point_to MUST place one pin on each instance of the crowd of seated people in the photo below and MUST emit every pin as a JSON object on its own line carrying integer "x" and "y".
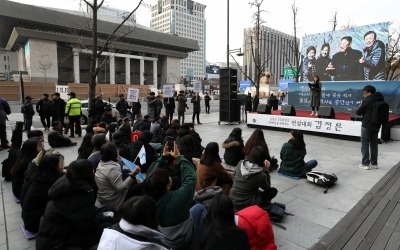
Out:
{"x": 98, "y": 201}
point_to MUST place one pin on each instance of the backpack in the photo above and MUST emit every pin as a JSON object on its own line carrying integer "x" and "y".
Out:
{"x": 24, "y": 109}
{"x": 380, "y": 113}
{"x": 276, "y": 212}
{"x": 46, "y": 107}
{"x": 322, "y": 179}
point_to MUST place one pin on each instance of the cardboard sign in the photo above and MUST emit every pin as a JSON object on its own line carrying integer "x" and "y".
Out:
{"x": 133, "y": 95}
{"x": 197, "y": 86}
{"x": 168, "y": 90}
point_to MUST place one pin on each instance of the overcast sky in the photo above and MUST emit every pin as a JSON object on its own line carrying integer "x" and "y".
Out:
{"x": 314, "y": 16}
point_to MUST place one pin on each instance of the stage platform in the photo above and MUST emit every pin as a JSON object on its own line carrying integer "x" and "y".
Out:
{"x": 341, "y": 125}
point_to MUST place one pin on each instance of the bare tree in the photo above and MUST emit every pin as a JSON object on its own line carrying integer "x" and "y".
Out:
{"x": 393, "y": 56}
{"x": 334, "y": 20}
{"x": 45, "y": 64}
{"x": 98, "y": 49}
{"x": 348, "y": 25}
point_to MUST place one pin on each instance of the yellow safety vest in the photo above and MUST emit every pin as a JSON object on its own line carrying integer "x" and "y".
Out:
{"x": 73, "y": 107}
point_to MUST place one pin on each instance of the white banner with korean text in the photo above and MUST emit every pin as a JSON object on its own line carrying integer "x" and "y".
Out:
{"x": 331, "y": 126}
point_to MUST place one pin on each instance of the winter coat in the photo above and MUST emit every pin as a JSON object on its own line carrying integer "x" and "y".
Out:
{"x": 70, "y": 217}
{"x": 233, "y": 151}
{"x": 182, "y": 104}
{"x": 170, "y": 133}
{"x": 256, "y": 101}
{"x": 207, "y": 99}
{"x": 122, "y": 135}
{"x": 35, "y": 202}
{"x": 122, "y": 107}
{"x": 196, "y": 103}
{"x": 95, "y": 158}
{"x": 169, "y": 104}
{"x": 366, "y": 108}
{"x": 18, "y": 180}
{"x": 320, "y": 68}
{"x": 177, "y": 226}
{"x": 58, "y": 109}
{"x": 155, "y": 129}
{"x": 56, "y": 139}
{"x": 132, "y": 237}
{"x": 273, "y": 102}
{"x": 248, "y": 179}
{"x": 145, "y": 124}
{"x": 347, "y": 66}
{"x": 315, "y": 89}
{"x": 73, "y": 107}
{"x": 152, "y": 106}
{"x": 374, "y": 66}
{"x": 29, "y": 111}
{"x": 108, "y": 118}
{"x": 97, "y": 109}
{"x": 258, "y": 227}
{"x": 136, "y": 109}
{"x": 248, "y": 103}
{"x": 43, "y": 107}
{"x": 214, "y": 175}
{"x": 292, "y": 160}
{"x": 112, "y": 188}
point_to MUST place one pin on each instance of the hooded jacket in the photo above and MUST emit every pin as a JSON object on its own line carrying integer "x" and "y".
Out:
{"x": 366, "y": 109}
{"x": 70, "y": 217}
{"x": 233, "y": 151}
{"x": 249, "y": 177}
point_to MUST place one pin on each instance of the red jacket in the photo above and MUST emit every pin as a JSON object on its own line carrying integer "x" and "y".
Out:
{"x": 258, "y": 227}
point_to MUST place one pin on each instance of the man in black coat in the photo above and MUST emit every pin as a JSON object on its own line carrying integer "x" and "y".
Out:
{"x": 169, "y": 104}
{"x": 56, "y": 139}
{"x": 4, "y": 111}
{"x": 196, "y": 108}
{"x": 207, "y": 99}
{"x": 98, "y": 107}
{"x": 58, "y": 109}
{"x": 122, "y": 106}
{"x": 346, "y": 62}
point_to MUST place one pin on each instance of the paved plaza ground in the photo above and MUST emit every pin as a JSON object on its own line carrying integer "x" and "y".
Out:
{"x": 314, "y": 212}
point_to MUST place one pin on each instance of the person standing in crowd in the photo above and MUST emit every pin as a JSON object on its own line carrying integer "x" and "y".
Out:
{"x": 308, "y": 69}
{"x": 28, "y": 112}
{"x": 159, "y": 105}
{"x": 136, "y": 110}
{"x": 97, "y": 108}
{"x": 321, "y": 64}
{"x": 169, "y": 104}
{"x": 152, "y": 105}
{"x": 182, "y": 106}
{"x": 207, "y": 99}
{"x": 345, "y": 63}
{"x": 256, "y": 101}
{"x": 369, "y": 129}
{"x": 373, "y": 58}
{"x": 122, "y": 106}
{"x": 4, "y": 111}
{"x": 73, "y": 110}
{"x": 43, "y": 107}
{"x": 58, "y": 109}
{"x": 273, "y": 102}
{"x": 315, "y": 89}
{"x": 292, "y": 156}
{"x": 247, "y": 104}
{"x": 196, "y": 108}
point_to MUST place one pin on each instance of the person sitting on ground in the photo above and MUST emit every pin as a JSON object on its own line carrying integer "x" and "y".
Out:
{"x": 145, "y": 124}
{"x": 35, "y": 133}
{"x": 139, "y": 222}
{"x": 139, "y": 119}
{"x": 101, "y": 128}
{"x": 155, "y": 129}
{"x": 188, "y": 129}
{"x": 98, "y": 140}
{"x": 210, "y": 171}
{"x": 123, "y": 134}
{"x": 251, "y": 175}
{"x": 257, "y": 224}
{"x": 29, "y": 150}
{"x": 56, "y": 139}
{"x": 257, "y": 139}
{"x": 90, "y": 126}
{"x": 186, "y": 147}
{"x": 108, "y": 116}
{"x": 70, "y": 216}
{"x": 86, "y": 147}
{"x": 220, "y": 231}
{"x": 112, "y": 188}
{"x": 134, "y": 149}
{"x": 233, "y": 147}
{"x": 50, "y": 168}
{"x": 176, "y": 226}
{"x": 292, "y": 156}
{"x": 171, "y": 132}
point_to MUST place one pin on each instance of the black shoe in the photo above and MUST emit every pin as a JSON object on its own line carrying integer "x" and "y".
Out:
{"x": 199, "y": 123}
{"x": 73, "y": 144}
{"x": 71, "y": 136}
{"x": 5, "y": 146}
{"x": 79, "y": 135}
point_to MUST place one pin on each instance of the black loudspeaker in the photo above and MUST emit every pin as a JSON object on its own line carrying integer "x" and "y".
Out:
{"x": 229, "y": 106}
{"x": 354, "y": 116}
{"x": 326, "y": 112}
{"x": 288, "y": 110}
{"x": 263, "y": 109}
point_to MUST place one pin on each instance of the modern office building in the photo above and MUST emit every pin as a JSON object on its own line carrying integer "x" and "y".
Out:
{"x": 276, "y": 50}
{"x": 183, "y": 18}
{"x": 55, "y": 46}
